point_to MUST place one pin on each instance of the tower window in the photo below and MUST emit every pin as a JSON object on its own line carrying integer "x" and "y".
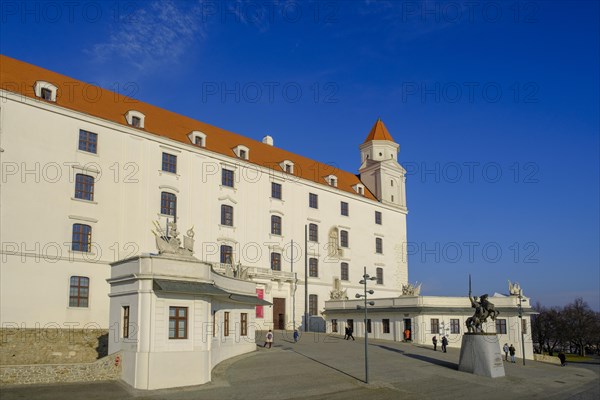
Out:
{"x": 379, "y": 245}
{"x": 84, "y": 187}
{"x": 275, "y": 225}
{"x": 227, "y": 177}
{"x": 88, "y": 141}
{"x": 226, "y": 215}
{"x": 276, "y": 261}
{"x": 344, "y": 208}
{"x": 344, "y": 272}
{"x": 313, "y": 200}
{"x": 226, "y": 254}
{"x": 313, "y": 268}
{"x": 344, "y": 238}
{"x": 82, "y": 238}
{"x": 79, "y": 291}
{"x": 379, "y": 273}
{"x": 168, "y": 204}
{"x": 378, "y": 217}
{"x": 313, "y": 232}
{"x": 169, "y": 163}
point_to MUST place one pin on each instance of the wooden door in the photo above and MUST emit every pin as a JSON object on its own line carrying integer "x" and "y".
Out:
{"x": 278, "y": 313}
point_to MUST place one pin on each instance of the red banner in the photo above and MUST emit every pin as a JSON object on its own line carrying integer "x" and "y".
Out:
{"x": 260, "y": 293}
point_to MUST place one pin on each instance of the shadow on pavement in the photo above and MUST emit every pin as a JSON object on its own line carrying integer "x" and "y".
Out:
{"x": 430, "y": 360}
{"x": 327, "y": 365}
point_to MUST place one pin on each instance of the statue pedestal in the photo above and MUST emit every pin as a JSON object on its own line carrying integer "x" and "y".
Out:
{"x": 480, "y": 355}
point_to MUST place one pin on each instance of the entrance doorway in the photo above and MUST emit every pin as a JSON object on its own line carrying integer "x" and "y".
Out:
{"x": 278, "y": 313}
{"x": 407, "y": 329}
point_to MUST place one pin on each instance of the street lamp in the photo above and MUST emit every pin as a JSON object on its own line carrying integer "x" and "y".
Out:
{"x": 521, "y": 324}
{"x": 366, "y": 278}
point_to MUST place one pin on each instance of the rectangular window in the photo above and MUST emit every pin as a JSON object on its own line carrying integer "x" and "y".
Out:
{"x": 198, "y": 141}
{"x": 226, "y": 254}
{"x": 276, "y": 190}
{"x": 88, "y": 141}
{"x": 82, "y": 238}
{"x": 275, "y": 225}
{"x": 136, "y": 122}
{"x": 386, "y": 325}
{"x": 169, "y": 163}
{"x": 46, "y": 94}
{"x": 501, "y": 326}
{"x": 313, "y": 267}
{"x": 378, "y": 217}
{"x": 524, "y": 326}
{"x": 455, "y": 326}
{"x": 243, "y": 154}
{"x": 226, "y": 323}
{"x": 125, "y": 321}
{"x": 334, "y": 327}
{"x": 227, "y": 177}
{"x": 313, "y": 200}
{"x": 379, "y": 245}
{"x": 243, "y": 324}
{"x": 344, "y": 272}
{"x": 435, "y": 326}
{"x": 313, "y": 304}
{"x": 168, "y": 204}
{"x": 344, "y": 238}
{"x": 79, "y": 291}
{"x": 226, "y": 215}
{"x": 276, "y": 261}
{"x": 344, "y": 208}
{"x": 260, "y": 293}
{"x": 84, "y": 187}
{"x": 178, "y": 322}
{"x": 313, "y": 232}
{"x": 379, "y": 272}
{"x": 369, "y": 325}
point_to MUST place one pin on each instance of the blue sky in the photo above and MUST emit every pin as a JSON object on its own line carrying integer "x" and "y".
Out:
{"x": 495, "y": 106}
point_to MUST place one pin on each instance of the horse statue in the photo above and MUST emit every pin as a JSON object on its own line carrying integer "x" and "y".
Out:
{"x": 488, "y": 308}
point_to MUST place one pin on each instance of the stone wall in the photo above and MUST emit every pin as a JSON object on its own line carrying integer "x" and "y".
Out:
{"x": 547, "y": 359}
{"x": 106, "y": 368}
{"x": 51, "y": 346}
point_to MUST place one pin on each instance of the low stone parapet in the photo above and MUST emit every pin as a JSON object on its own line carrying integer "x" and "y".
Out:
{"x": 106, "y": 368}
{"x": 547, "y": 359}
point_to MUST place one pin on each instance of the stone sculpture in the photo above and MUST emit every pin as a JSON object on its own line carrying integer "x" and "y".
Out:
{"x": 337, "y": 293}
{"x": 411, "y": 290}
{"x": 484, "y": 309}
{"x": 168, "y": 241}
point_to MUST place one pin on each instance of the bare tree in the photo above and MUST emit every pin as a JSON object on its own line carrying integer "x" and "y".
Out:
{"x": 581, "y": 321}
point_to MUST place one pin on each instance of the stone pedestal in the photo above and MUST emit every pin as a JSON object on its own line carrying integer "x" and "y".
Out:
{"x": 480, "y": 355}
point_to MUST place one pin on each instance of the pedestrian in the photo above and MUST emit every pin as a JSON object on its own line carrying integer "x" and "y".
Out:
{"x": 434, "y": 340}
{"x": 444, "y": 343}
{"x": 562, "y": 358}
{"x": 511, "y": 350}
{"x": 406, "y": 334}
{"x": 350, "y": 331}
{"x": 296, "y": 334}
{"x": 269, "y": 339}
{"x": 505, "y": 348}
{"x": 346, "y": 334}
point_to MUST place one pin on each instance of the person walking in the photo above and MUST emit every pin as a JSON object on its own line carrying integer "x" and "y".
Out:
{"x": 296, "y": 335}
{"x": 350, "y": 331}
{"x": 346, "y": 333}
{"x": 505, "y": 348}
{"x": 434, "y": 340}
{"x": 444, "y": 343}
{"x": 269, "y": 339}
{"x": 511, "y": 350}
{"x": 562, "y": 358}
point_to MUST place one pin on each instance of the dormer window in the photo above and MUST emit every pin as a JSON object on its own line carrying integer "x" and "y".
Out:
{"x": 242, "y": 152}
{"x": 135, "y": 119}
{"x": 332, "y": 180}
{"x": 197, "y": 138}
{"x": 45, "y": 90}
{"x": 287, "y": 166}
{"x": 359, "y": 188}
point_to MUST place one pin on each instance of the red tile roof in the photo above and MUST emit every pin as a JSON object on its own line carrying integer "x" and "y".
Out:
{"x": 379, "y": 132}
{"x": 19, "y": 77}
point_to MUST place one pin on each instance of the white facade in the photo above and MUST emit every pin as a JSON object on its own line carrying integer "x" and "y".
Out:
{"x": 145, "y": 289}
{"x": 423, "y": 314}
{"x": 38, "y": 208}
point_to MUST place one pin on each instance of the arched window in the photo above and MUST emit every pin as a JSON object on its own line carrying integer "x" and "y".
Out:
{"x": 226, "y": 215}
{"x": 168, "y": 204}
{"x": 82, "y": 238}
{"x": 84, "y": 187}
{"x": 275, "y": 225}
{"x": 313, "y": 232}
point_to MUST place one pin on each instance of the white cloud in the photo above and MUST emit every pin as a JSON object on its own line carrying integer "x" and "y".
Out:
{"x": 155, "y": 35}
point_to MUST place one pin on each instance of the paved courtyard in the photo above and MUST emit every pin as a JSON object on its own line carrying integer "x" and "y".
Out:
{"x": 321, "y": 366}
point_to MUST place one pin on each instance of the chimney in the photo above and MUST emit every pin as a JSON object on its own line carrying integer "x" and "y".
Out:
{"x": 268, "y": 140}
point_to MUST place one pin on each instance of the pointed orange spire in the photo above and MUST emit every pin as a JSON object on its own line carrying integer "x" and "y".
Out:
{"x": 379, "y": 132}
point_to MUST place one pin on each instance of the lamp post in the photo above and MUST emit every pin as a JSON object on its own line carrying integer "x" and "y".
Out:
{"x": 366, "y": 278}
{"x": 521, "y": 324}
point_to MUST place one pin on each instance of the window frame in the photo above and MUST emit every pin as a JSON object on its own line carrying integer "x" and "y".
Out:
{"x": 501, "y": 326}
{"x": 276, "y": 190}
{"x": 223, "y": 255}
{"x": 243, "y": 324}
{"x": 313, "y": 304}
{"x": 434, "y": 323}
{"x": 84, "y": 238}
{"x": 385, "y": 325}
{"x": 344, "y": 209}
{"x": 79, "y": 297}
{"x": 169, "y": 163}
{"x": 379, "y": 275}
{"x": 89, "y": 142}
{"x": 177, "y": 318}
{"x": 227, "y": 177}
{"x": 344, "y": 239}
{"x": 168, "y": 204}
{"x": 126, "y": 315}
{"x": 226, "y": 323}
{"x": 276, "y": 225}
{"x": 344, "y": 271}
{"x": 275, "y": 261}
{"x": 84, "y": 187}
{"x": 378, "y": 218}
{"x": 455, "y": 326}
{"x": 226, "y": 215}
{"x": 313, "y": 267}
{"x": 378, "y": 245}
{"x": 313, "y": 232}
{"x": 313, "y": 201}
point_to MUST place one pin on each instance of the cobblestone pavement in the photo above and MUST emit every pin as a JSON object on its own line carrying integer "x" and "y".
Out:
{"x": 321, "y": 366}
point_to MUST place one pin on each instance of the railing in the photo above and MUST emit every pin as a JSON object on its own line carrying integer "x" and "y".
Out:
{"x": 247, "y": 272}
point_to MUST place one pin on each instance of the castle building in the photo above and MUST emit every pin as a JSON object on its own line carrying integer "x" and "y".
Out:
{"x": 85, "y": 172}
